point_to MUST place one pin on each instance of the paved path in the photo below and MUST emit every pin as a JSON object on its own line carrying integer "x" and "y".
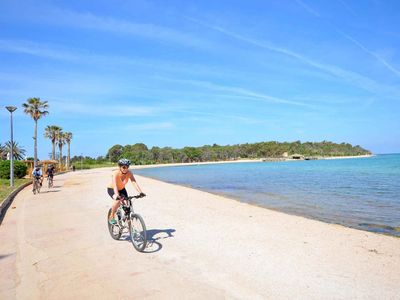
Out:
{"x": 56, "y": 245}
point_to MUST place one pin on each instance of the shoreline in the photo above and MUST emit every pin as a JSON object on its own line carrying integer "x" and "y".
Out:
{"x": 374, "y": 227}
{"x": 348, "y": 157}
{"x": 245, "y": 161}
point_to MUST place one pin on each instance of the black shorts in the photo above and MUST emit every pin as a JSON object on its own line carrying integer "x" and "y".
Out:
{"x": 122, "y": 192}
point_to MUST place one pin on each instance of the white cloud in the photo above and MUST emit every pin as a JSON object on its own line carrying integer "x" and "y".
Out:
{"x": 57, "y": 52}
{"x": 353, "y": 40}
{"x": 245, "y": 93}
{"x": 365, "y": 49}
{"x": 308, "y": 8}
{"x": 106, "y": 110}
{"x": 151, "y": 126}
{"x": 350, "y": 77}
{"x": 31, "y": 48}
{"x": 118, "y": 26}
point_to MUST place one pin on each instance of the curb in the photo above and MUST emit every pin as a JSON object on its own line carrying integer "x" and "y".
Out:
{"x": 5, "y": 204}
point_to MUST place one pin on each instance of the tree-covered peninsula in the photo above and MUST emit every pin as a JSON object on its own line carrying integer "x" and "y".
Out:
{"x": 140, "y": 154}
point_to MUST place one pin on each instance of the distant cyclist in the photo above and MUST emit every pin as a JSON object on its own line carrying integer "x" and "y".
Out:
{"x": 37, "y": 174}
{"x": 116, "y": 189}
{"x": 50, "y": 172}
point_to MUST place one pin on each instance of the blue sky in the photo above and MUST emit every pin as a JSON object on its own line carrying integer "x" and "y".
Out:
{"x": 190, "y": 73}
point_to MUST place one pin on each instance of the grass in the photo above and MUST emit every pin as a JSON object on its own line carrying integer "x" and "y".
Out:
{"x": 5, "y": 188}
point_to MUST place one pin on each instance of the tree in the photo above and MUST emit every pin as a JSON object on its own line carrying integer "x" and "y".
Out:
{"x": 18, "y": 152}
{"x": 60, "y": 142}
{"x": 36, "y": 109}
{"x": 68, "y": 138}
{"x": 51, "y": 132}
{"x": 156, "y": 153}
{"x": 114, "y": 153}
{"x": 192, "y": 153}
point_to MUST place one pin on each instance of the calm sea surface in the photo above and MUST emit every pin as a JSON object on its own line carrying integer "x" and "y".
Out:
{"x": 363, "y": 193}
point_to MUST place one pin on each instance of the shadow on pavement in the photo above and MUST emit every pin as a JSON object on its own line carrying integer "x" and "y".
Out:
{"x": 50, "y": 191}
{"x": 153, "y": 237}
{"x": 7, "y": 255}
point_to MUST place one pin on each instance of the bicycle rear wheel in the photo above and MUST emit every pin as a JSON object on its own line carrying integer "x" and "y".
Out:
{"x": 115, "y": 230}
{"x": 137, "y": 229}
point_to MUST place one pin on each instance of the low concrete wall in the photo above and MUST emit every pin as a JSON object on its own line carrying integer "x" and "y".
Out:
{"x": 4, "y": 205}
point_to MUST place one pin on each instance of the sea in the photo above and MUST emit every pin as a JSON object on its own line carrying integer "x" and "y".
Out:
{"x": 362, "y": 193}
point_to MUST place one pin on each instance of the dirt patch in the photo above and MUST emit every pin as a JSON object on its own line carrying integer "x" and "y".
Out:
{"x": 71, "y": 182}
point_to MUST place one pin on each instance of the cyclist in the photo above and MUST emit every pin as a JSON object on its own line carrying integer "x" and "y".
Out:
{"x": 50, "y": 171}
{"x": 116, "y": 189}
{"x": 37, "y": 174}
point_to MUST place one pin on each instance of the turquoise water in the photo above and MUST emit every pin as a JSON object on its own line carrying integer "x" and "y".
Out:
{"x": 362, "y": 193}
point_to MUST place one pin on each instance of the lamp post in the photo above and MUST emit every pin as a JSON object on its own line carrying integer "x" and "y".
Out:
{"x": 11, "y": 109}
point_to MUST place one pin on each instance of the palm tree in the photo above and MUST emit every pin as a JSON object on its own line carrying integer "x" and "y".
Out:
{"x": 68, "y": 138}
{"x": 3, "y": 152}
{"x": 36, "y": 109}
{"x": 51, "y": 132}
{"x": 18, "y": 152}
{"x": 60, "y": 142}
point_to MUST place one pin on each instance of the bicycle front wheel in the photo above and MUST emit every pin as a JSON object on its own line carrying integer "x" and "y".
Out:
{"x": 137, "y": 229}
{"x": 115, "y": 230}
{"x": 34, "y": 187}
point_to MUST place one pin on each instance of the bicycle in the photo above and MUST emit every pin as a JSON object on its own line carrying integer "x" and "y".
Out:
{"x": 50, "y": 181}
{"x": 128, "y": 219}
{"x": 36, "y": 185}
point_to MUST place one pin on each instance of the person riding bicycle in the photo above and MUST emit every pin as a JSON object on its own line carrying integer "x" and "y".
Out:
{"x": 116, "y": 189}
{"x": 50, "y": 171}
{"x": 37, "y": 174}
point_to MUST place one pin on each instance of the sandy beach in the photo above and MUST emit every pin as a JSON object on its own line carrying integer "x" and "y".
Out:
{"x": 56, "y": 245}
{"x": 243, "y": 161}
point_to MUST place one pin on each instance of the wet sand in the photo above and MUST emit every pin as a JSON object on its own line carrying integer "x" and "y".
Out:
{"x": 56, "y": 245}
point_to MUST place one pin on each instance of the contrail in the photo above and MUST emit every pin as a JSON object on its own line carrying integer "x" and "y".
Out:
{"x": 380, "y": 59}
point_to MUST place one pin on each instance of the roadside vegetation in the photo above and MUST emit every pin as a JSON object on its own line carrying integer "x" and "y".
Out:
{"x": 86, "y": 162}
{"x": 5, "y": 188}
{"x": 19, "y": 169}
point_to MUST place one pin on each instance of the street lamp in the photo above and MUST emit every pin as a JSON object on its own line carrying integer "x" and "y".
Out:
{"x": 11, "y": 109}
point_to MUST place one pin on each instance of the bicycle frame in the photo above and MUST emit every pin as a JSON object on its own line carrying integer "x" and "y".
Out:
{"x": 124, "y": 211}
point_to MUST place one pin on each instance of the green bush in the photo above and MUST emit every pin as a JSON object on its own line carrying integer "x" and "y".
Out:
{"x": 19, "y": 169}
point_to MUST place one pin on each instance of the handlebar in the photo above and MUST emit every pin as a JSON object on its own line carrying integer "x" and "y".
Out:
{"x": 141, "y": 195}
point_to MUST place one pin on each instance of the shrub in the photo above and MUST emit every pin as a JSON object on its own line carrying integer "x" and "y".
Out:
{"x": 19, "y": 169}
